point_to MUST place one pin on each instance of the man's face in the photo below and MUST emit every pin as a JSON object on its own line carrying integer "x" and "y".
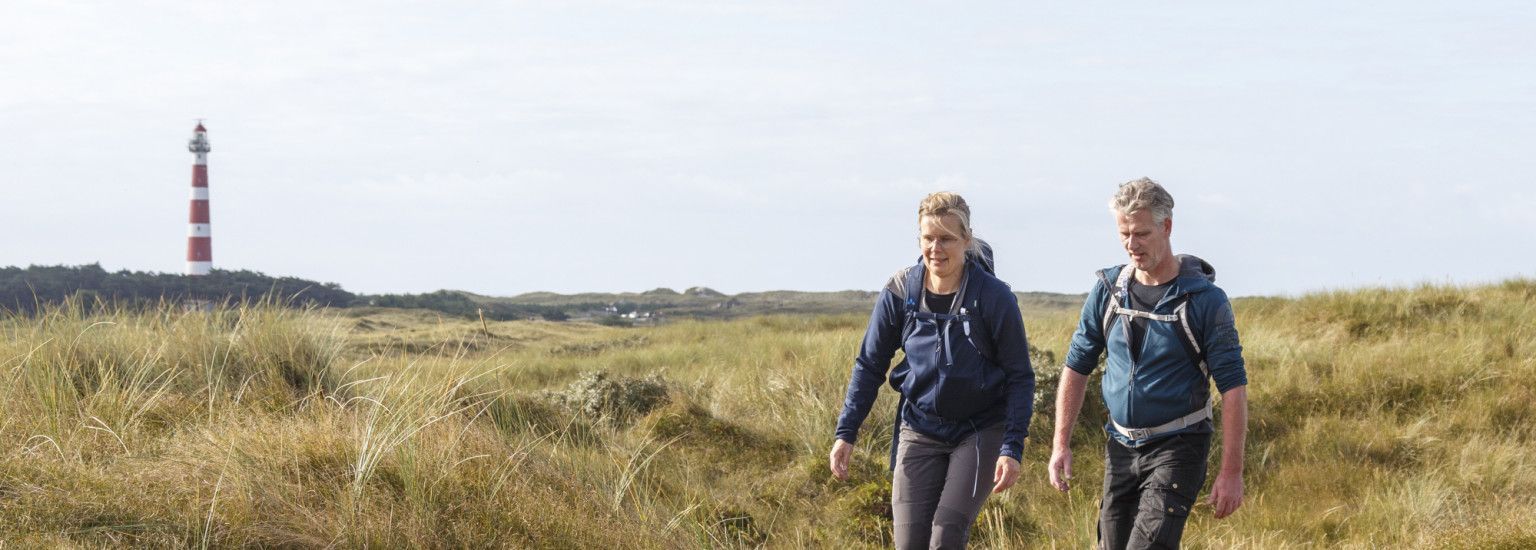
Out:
{"x": 1145, "y": 242}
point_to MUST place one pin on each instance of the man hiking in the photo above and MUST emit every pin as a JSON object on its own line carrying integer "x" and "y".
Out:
{"x": 1167, "y": 331}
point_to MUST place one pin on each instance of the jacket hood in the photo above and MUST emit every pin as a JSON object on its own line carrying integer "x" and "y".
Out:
{"x": 1193, "y": 266}
{"x": 1194, "y": 275}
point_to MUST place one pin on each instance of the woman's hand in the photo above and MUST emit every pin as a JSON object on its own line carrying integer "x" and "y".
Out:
{"x": 1006, "y": 474}
{"x": 841, "y": 451}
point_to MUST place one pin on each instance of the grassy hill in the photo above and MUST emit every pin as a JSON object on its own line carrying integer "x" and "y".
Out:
{"x": 1380, "y": 418}
{"x": 28, "y": 289}
{"x": 705, "y": 303}
{"x": 696, "y": 303}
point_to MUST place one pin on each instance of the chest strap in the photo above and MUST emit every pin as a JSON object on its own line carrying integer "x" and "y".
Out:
{"x": 1120, "y": 299}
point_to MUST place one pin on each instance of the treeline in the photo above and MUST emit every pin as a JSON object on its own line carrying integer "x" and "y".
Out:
{"x": 26, "y": 289}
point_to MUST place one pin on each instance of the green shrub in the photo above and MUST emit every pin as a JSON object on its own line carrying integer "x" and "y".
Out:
{"x": 617, "y": 400}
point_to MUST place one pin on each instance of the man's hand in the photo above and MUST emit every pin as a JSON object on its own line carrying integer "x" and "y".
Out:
{"x": 1005, "y": 475}
{"x": 841, "y": 451}
{"x": 1061, "y": 468}
{"x": 1069, "y": 401}
{"x": 1227, "y": 493}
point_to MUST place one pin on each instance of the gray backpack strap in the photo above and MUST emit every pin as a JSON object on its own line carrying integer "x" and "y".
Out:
{"x": 1120, "y": 298}
{"x": 1191, "y": 344}
{"x": 1116, "y": 296}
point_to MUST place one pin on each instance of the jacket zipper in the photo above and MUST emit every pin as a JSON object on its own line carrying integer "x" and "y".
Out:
{"x": 1131, "y": 352}
{"x": 1130, "y": 397}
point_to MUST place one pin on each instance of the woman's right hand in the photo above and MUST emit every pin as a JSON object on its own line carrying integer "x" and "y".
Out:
{"x": 841, "y": 452}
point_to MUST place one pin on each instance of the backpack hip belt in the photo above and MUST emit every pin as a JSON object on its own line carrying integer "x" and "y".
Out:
{"x": 1176, "y": 424}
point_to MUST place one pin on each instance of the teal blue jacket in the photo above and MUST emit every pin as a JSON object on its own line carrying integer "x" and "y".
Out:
{"x": 1160, "y": 381}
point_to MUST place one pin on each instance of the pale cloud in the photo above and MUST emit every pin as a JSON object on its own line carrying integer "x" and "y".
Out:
{"x": 1217, "y": 199}
{"x": 418, "y": 136}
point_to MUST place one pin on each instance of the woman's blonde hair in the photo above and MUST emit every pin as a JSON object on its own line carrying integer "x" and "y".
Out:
{"x": 943, "y": 203}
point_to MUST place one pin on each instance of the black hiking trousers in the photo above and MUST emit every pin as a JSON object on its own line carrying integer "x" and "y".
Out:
{"x": 1149, "y": 490}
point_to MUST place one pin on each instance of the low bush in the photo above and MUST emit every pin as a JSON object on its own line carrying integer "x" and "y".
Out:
{"x": 617, "y": 400}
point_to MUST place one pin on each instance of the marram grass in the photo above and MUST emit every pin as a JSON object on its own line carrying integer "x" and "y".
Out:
{"x": 1379, "y": 418}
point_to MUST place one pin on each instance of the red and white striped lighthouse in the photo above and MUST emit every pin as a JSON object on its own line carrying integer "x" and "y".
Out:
{"x": 199, "y": 236}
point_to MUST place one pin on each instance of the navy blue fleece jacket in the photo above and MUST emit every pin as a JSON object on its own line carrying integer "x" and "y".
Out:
{"x": 963, "y": 377}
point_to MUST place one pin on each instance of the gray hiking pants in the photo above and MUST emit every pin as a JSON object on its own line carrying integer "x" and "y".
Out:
{"x": 1149, "y": 490}
{"x": 939, "y": 488}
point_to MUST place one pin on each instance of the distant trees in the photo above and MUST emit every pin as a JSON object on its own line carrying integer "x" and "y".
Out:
{"x": 24, "y": 289}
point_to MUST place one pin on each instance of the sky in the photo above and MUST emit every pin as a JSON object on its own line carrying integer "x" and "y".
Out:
{"x": 510, "y": 147}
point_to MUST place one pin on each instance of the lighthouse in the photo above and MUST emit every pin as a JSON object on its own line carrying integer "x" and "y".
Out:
{"x": 199, "y": 235}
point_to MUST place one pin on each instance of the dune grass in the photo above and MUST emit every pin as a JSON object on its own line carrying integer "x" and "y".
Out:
{"x": 1380, "y": 418}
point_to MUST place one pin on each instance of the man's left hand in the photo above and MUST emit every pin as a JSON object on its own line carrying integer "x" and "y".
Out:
{"x": 1227, "y": 494}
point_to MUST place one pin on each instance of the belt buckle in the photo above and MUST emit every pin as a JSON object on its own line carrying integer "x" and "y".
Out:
{"x": 1140, "y": 433}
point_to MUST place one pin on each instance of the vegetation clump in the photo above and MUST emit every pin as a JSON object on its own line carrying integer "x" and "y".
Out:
{"x": 616, "y": 399}
{"x": 589, "y": 348}
{"x": 716, "y": 441}
{"x": 1047, "y": 377}
{"x": 739, "y": 527}
{"x": 865, "y": 510}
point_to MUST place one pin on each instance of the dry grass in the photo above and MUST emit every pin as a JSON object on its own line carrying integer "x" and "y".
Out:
{"x": 1381, "y": 418}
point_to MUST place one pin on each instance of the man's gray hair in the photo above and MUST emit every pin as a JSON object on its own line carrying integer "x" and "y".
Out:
{"x": 1143, "y": 194}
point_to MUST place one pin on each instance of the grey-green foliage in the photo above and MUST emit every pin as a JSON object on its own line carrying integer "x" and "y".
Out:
{"x": 1047, "y": 375}
{"x": 619, "y": 400}
{"x": 1047, "y": 378}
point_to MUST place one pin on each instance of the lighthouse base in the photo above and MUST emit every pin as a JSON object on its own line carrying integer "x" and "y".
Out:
{"x": 199, "y": 268}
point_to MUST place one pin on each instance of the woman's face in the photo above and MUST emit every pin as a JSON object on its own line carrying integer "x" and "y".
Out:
{"x": 943, "y": 244}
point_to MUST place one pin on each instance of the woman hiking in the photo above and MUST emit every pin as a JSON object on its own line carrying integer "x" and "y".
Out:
{"x": 966, "y": 385}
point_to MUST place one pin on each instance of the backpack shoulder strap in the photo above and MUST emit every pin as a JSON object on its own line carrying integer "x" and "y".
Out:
{"x": 1118, "y": 305}
{"x": 1187, "y": 333}
{"x": 972, "y": 316}
{"x": 1118, "y": 295}
{"x": 912, "y": 286}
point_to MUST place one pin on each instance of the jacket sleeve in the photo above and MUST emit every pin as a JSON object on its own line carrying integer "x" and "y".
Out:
{"x": 1223, "y": 350}
{"x": 881, "y": 340}
{"x": 1012, "y": 345}
{"x": 1088, "y": 340}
